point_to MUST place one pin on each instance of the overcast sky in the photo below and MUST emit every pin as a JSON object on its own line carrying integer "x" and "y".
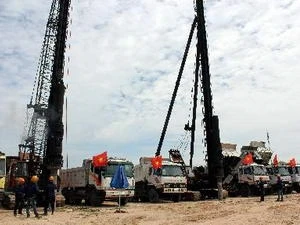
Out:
{"x": 124, "y": 60}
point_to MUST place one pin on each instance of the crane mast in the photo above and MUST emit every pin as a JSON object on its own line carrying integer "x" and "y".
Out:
{"x": 214, "y": 156}
{"x": 214, "y": 150}
{"x": 44, "y": 131}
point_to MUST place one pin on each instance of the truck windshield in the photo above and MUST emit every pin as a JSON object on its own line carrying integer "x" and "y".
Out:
{"x": 171, "y": 171}
{"x": 112, "y": 168}
{"x": 283, "y": 171}
{"x": 297, "y": 169}
{"x": 2, "y": 167}
{"x": 259, "y": 170}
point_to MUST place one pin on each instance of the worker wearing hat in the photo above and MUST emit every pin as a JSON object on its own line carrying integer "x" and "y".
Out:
{"x": 31, "y": 192}
{"x": 280, "y": 187}
{"x": 50, "y": 196}
{"x": 19, "y": 195}
{"x": 261, "y": 189}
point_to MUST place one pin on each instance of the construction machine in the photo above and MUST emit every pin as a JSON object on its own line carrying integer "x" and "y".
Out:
{"x": 2, "y": 174}
{"x": 295, "y": 175}
{"x": 209, "y": 181}
{"x": 151, "y": 184}
{"x": 91, "y": 184}
{"x": 241, "y": 175}
{"x": 40, "y": 152}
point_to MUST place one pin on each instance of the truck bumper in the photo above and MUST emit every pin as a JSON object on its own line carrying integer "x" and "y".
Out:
{"x": 174, "y": 190}
{"x": 115, "y": 193}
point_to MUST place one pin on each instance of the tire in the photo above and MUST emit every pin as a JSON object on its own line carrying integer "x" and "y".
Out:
{"x": 123, "y": 201}
{"x": 96, "y": 198}
{"x": 245, "y": 191}
{"x": 176, "y": 198}
{"x": 153, "y": 195}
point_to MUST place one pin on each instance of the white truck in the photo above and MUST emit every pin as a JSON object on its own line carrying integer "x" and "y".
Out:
{"x": 286, "y": 178}
{"x": 167, "y": 182}
{"x": 295, "y": 175}
{"x": 92, "y": 184}
{"x": 243, "y": 179}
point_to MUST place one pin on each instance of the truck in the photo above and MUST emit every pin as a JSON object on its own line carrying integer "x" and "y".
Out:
{"x": 286, "y": 178}
{"x": 295, "y": 176}
{"x": 2, "y": 174}
{"x": 154, "y": 184}
{"x": 242, "y": 179}
{"x": 92, "y": 184}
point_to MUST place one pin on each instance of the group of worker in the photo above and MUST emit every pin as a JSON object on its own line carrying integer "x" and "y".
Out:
{"x": 26, "y": 196}
{"x": 279, "y": 187}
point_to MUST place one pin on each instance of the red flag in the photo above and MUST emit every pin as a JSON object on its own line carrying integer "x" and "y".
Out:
{"x": 248, "y": 159}
{"x": 275, "y": 160}
{"x": 156, "y": 162}
{"x": 100, "y": 160}
{"x": 292, "y": 162}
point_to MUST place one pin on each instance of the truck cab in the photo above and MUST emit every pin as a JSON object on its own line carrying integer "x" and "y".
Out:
{"x": 92, "y": 184}
{"x": 248, "y": 178}
{"x": 295, "y": 176}
{"x": 167, "y": 182}
{"x": 105, "y": 174}
{"x": 286, "y": 178}
{"x": 2, "y": 174}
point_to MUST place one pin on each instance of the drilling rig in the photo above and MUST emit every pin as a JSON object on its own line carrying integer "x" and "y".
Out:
{"x": 40, "y": 152}
{"x": 210, "y": 182}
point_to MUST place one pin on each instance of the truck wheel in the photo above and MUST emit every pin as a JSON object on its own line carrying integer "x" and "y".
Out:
{"x": 144, "y": 199}
{"x": 176, "y": 198}
{"x": 153, "y": 195}
{"x": 245, "y": 191}
{"x": 96, "y": 198}
{"x": 123, "y": 201}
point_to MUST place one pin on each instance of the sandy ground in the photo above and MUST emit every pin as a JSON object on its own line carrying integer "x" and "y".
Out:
{"x": 229, "y": 211}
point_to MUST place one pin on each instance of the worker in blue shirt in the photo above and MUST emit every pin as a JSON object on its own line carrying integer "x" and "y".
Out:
{"x": 50, "y": 196}
{"x": 31, "y": 192}
{"x": 280, "y": 187}
{"x": 19, "y": 196}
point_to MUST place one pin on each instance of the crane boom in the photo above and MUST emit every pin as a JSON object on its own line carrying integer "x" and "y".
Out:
{"x": 43, "y": 139}
{"x": 212, "y": 138}
{"x": 214, "y": 150}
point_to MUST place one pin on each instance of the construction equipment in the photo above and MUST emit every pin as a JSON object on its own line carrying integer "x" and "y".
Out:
{"x": 295, "y": 175}
{"x": 152, "y": 184}
{"x": 280, "y": 170}
{"x": 242, "y": 179}
{"x": 92, "y": 184}
{"x": 2, "y": 174}
{"x": 211, "y": 180}
{"x": 40, "y": 152}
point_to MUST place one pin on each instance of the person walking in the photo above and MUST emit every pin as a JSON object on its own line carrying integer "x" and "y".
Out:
{"x": 19, "y": 196}
{"x": 31, "y": 192}
{"x": 50, "y": 196}
{"x": 279, "y": 186}
{"x": 261, "y": 189}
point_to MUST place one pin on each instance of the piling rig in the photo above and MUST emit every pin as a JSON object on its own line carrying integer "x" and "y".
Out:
{"x": 40, "y": 152}
{"x": 209, "y": 183}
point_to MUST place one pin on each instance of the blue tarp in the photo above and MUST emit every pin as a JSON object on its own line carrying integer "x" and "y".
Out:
{"x": 119, "y": 179}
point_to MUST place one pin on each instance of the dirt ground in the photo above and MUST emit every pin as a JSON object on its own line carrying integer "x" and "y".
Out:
{"x": 229, "y": 211}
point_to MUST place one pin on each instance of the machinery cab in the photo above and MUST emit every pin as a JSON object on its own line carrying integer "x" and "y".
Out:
{"x": 284, "y": 173}
{"x": 295, "y": 176}
{"x": 252, "y": 173}
{"x": 2, "y": 171}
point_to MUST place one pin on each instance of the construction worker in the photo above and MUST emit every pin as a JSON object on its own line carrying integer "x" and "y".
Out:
{"x": 19, "y": 196}
{"x": 279, "y": 185}
{"x": 50, "y": 196}
{"x": 31, "y": 192}
{"x": 261, "y": 189}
